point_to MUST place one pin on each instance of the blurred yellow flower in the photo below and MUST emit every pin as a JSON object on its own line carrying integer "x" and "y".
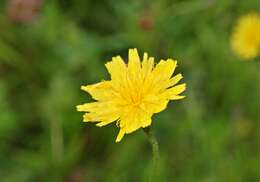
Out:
{"x": 245, "y": 40}
{"x": 135, "y": 92}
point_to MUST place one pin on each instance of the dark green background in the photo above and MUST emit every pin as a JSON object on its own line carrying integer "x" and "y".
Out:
{"x": 213, "y": 135}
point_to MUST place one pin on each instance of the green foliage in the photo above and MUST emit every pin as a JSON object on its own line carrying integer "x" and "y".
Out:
{"x": 211, "y": 135}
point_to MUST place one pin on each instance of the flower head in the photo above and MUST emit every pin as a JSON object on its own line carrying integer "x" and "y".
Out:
{"x": 245, "y": 39}
{"x": 136, "y": 91}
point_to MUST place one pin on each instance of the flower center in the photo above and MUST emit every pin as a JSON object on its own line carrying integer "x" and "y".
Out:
{"x": 135, "y": 99}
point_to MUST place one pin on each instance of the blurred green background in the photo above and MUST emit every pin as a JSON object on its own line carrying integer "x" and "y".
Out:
{"x": 48, "y": 49}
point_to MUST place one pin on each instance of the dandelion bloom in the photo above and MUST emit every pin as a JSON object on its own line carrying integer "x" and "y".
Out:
{"x": 135, "y": 92}
{"x": 245, "y": 40}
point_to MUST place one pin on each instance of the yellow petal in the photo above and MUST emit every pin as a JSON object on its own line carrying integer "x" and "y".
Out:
{"x": 99, "y": 107}
{"x": 117, "y": 70}
{"x": 100, "y": 91}
{"x": 128, "y": 120}
{"x": 177, "y": 97}
{"x": 134, "y": 118}
{"x": 174, "y": 80}
{"x": 120, "y": 135}
{"x": 165, "y": 69}
{"x": 147, "y": 65}
{"x": 93, "y": 106}
{"x": 155, "y": 104}
{"x": 174, "y": 91}
{"x": 108, "y": 120}
{"x": 133, "y": 60}
{"x": 87, "y": 117}
{"x": 146, "y": 121}
{"x": 134, "y": 67}
{"x": 108, "y": 116}
{"x": 116, "y": 67}
{"x": 83, "y": 107}
{"x": 161, "y": 74}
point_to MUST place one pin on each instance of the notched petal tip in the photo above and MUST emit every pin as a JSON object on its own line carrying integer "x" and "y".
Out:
{"x": 174, "y": 80}
{"x": 100, "y": 124}
{"x": 145, "y": 56}
{"x": 115, "y": 59}
{"x": 109, "y": 64}
{"x": 85, "y": 119}
{"x": 184, "y": 85}
{"x": 85, "y": 88}
{"x": 174, "y": 63}
{"x": 178, "y": 77}
{"x": 173, "y": 92}
{"x": 133, "y": 54}
{"x": 132, "y": 49}
{"x": 172, "y": 60}
{"x": 146, "y": 123}
{"x": 103, "y": 123}
{"x": 177, "y": 97}
{"x": 80, "y": 107}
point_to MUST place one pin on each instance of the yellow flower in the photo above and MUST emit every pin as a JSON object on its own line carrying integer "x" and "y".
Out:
{"x": 135, "y": 92}
{"x": 245, "y": 40}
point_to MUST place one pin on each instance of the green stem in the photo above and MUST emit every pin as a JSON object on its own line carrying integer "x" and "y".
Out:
{"x": 155, "y": 148}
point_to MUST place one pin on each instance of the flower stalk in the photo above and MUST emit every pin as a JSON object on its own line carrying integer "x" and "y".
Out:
{"x": 155, "y": 151}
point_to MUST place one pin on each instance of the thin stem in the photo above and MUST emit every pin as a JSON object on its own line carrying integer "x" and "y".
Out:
{"x": 155, "y": 148}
